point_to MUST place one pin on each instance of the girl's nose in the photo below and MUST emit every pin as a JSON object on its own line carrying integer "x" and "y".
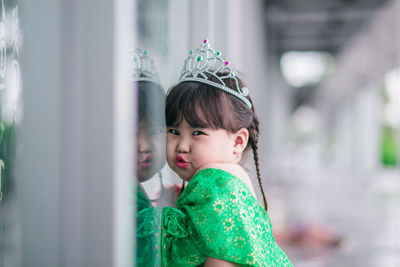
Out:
{"x": 183, "y": 147}
{"x": 144, "y": 143}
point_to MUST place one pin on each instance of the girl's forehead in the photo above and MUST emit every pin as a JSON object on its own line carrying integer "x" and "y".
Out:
{"x": 193, "y": 116}
{"x": 183, "y": 123}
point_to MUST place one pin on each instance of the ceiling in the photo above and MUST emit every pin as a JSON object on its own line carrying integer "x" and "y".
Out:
{"x": 319, "y": 25}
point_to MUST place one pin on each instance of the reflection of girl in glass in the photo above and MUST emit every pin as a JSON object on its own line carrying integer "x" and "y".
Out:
{"x": 210, "y": 124}
{"x": 150, "y": 154}
{"x": 151, "y": 130}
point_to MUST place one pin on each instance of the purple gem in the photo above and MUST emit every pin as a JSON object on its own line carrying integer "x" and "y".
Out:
{"x": 226, "y": 63}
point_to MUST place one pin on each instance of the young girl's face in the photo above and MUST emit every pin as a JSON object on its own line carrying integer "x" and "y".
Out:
{"x": 188, "y": 149}
{"x": 151, "y": 150}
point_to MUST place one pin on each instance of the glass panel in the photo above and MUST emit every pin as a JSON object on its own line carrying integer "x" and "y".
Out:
{"x": 147, "y": 58}
{"x": 152, "y": 40}
{"x": 10, "y": 116}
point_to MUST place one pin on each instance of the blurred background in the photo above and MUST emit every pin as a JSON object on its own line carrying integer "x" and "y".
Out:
{"x": 325, "y": 79}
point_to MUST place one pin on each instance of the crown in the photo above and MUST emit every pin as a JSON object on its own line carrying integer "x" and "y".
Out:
{"x": 142, "y": 67}
{"x": 204, "y": 64}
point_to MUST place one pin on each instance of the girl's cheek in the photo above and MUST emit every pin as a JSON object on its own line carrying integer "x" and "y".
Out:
{"x": 170, "y": 153}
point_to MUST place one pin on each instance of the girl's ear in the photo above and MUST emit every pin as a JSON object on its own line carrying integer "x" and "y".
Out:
{"x": 241, "y": 139}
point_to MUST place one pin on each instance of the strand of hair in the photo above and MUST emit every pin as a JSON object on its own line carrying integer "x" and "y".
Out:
{"x": 257, "y": 163}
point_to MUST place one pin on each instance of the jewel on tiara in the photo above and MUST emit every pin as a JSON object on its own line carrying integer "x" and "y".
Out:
{"x": 142, "y": 67}
{"x": 203, "y": 63}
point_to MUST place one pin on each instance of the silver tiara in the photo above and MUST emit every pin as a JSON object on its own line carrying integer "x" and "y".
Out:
{"x": 204, "y": 63}
{"x": 142, "y": 67}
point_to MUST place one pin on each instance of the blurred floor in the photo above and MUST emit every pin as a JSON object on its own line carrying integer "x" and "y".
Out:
{"x": 363, "y": 211}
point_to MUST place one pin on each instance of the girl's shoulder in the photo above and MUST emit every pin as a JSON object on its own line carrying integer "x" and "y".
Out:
{"x": 231, "y": 169}
{"x": 209, "y": 185}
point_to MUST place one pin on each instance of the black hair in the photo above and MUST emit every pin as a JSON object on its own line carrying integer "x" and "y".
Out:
{"x": 151, "y": 101}
{"x": 205, "y": 106}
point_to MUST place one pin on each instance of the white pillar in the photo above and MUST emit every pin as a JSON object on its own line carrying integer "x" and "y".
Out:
{"x": 75, "y": 173}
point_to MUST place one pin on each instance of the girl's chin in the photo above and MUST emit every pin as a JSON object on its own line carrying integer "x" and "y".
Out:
{"x": 145, "y": 174}
{"x": 142, "y": 179}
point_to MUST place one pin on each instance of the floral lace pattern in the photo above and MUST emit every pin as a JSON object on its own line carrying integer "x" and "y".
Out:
{"x": 217, "y": 216}
{"x": 148, "y": 232}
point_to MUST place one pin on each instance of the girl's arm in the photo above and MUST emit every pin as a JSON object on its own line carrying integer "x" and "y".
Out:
{"x": 213, "y": 262}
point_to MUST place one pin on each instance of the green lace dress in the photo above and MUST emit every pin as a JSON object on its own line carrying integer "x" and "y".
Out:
{"x": 217, "y": 216}
{"x": 148, "y": 232}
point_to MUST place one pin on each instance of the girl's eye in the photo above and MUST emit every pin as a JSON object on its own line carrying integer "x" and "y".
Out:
{"x": 173, "y": 131}
{"x": 198, "y": 133}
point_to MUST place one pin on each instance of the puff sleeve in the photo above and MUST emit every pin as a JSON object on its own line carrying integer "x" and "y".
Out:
{"x": 223, "y": 220}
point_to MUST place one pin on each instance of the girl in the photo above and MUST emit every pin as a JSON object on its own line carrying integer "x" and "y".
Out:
{"x": 210, "y": 124}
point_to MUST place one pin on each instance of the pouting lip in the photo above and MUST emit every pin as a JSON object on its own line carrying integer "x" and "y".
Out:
{"x": 145, "y": 159}
{"x": 179, "y": 158}
{"x": 145, "y": 164}
{"x": 180, "y": 162}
